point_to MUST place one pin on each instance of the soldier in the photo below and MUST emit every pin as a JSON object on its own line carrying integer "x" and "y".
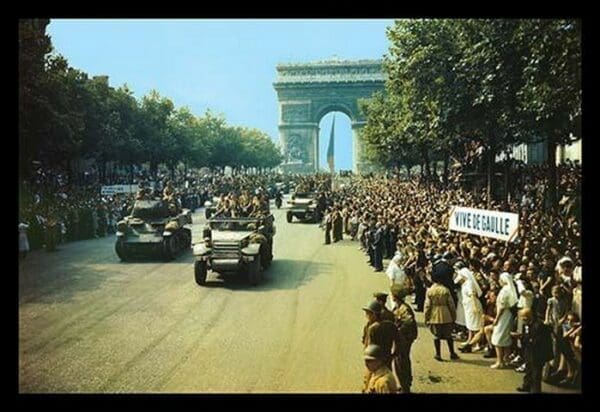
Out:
{"x": 379, "y": 376}
{"x": 379, "y": 331}
{"x": 168, "y": 191}
{"x": 371, "y": 312}
{"x": 386, "y": 314}
{"x": 440, "y": 310}
{"x": 406, "y": 325}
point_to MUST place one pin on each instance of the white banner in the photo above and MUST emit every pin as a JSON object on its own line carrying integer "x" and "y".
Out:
{"x": 112, "y": 189}
{"x": 488, "y": 223}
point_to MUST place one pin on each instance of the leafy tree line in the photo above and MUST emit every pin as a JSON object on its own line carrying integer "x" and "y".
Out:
{"x": 495, "y": 83}
{"x": 64, "y": 116}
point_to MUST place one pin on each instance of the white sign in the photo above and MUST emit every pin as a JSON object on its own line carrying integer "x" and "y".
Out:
{"x": 488, "y": 223}
{"x": 112, "y": 189}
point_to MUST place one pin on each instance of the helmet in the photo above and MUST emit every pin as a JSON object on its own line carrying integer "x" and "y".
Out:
{"x": 374, "y": 307}
{"x": 373, "y": 352}
{"x": 400, "y": 291}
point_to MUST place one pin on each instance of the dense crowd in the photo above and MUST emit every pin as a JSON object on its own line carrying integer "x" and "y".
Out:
{"x": 54, "y": 210}
{"x": 490, "y": 280}
{"x": 482, "y": 291}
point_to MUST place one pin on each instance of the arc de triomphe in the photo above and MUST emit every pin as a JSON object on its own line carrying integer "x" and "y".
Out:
{"x": 308, "y": 91}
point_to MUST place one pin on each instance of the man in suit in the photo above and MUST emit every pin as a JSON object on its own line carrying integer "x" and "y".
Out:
{"x": 377, "y": 247}
{"x": 537, "y": 348}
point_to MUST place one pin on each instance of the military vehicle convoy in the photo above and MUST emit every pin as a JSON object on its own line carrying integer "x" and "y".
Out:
{"x": 303, "y": 206}
{"x": 235, "y": 246}
{"x": 153, "y": 230}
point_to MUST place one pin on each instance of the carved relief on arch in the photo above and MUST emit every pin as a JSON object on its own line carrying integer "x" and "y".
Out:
{"x": 295, "y": 112}
{"x": 296, "y": 149}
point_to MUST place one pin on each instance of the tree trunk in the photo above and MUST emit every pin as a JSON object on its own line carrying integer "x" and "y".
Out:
{"x": 445, "y": 173}
{"x": 153, "y": 167}
{"x": 425, "y": 154}
{"x": 507, "y": 182}
{"x": 490, "y": 168}
{"x": 408, "y": 171}
{"x": 552, "y": 197}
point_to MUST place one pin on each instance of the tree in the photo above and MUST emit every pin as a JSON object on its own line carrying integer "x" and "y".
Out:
{"x": 34, "y": 45}
{"x": 154, "y": 115}
{"x": 552, "y": 92}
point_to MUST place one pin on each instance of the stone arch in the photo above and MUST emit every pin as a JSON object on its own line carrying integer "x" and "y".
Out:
{"x": 308, "y": 91}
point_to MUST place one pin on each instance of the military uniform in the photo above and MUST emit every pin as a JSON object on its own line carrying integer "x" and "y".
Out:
{"x": 440, "y": 311}
{"x": 381, "y": 381}
{"x": 383, "y": 333}
{"x": 406, "y": 334}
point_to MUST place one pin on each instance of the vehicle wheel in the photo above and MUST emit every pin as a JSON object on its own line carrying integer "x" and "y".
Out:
{"x": 200, "y": 272}
{"x": 120, "y": 250}
{"x": 289, "y": 216}
{"x": 267, "y": 258}
{"x": 169, "y": 247}
{"x": 254, "y": 271}
{"x": 188, "y": 238}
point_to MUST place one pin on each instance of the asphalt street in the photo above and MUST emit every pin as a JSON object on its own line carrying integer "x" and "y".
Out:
{"x": 90, "y": 323}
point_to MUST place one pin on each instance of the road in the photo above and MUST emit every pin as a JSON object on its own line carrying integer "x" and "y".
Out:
{"x": 89, "y": 323}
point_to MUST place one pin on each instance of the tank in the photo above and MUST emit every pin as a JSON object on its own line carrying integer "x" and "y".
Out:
{"x": 153, "y": 230}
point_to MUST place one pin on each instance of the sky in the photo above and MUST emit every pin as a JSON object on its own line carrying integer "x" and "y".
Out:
{"x": 225, "y": 65}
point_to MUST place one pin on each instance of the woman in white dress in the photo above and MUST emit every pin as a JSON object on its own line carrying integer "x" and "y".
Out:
{"x": 507, "y": 298}
{"x": 395, "y": 273}
{"x": 23, "y": 241}
{"x": 470, "y": 293}
{"x": 460, "y": 309}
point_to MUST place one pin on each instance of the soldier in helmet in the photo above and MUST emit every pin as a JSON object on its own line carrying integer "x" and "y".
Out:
{"x": 380, "y": 378}
{"x": 406, "y": 325}
{"x": 386, "y": 314}
{"x": 379, "y": 331}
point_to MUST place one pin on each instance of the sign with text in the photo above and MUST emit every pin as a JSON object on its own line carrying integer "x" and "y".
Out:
{"x": 113, "y": 189}
{"x": 488, "y": 223}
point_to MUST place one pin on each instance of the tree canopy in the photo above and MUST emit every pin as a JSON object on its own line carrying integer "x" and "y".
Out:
{"x": 64, "y": 115}
{"x": 497, "y": 82}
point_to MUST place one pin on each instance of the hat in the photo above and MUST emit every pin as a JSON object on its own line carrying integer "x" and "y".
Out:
{"x": 374, "y": 307}
{"x": 373, "y": 352}
{"x": 400, "y": 291}
{"x": 380, "y": 295}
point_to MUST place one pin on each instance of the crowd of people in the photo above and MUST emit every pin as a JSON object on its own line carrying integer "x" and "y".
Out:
{"x": 496, "y": 297}
{"x": 491, "y": 292}
{"x": 54, "y": 209}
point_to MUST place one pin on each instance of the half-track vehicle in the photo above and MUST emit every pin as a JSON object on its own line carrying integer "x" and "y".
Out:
{"x": 235, "y": 246}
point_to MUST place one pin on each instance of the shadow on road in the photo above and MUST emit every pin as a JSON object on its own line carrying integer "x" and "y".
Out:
{"x": 283, "y": 274}
{"x": 51, "y": 278}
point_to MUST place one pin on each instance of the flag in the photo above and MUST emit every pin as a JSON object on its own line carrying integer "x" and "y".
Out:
{"x": 330, "y": 147}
